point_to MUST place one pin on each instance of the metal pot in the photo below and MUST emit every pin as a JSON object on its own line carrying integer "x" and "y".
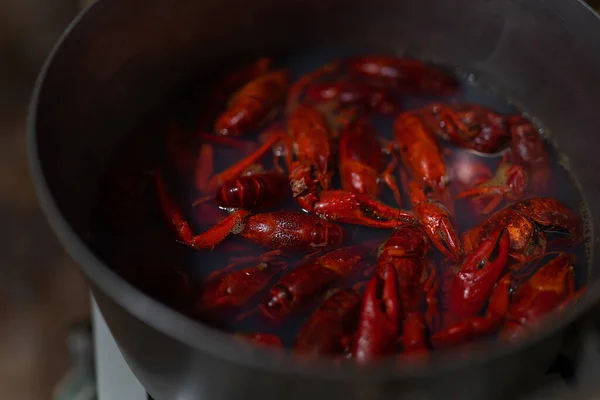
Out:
{"x": 121, "y": 57}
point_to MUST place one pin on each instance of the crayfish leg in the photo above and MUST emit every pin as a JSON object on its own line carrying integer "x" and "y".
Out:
{"x": 492, "y": 205}
{"x": 390, "y": 181}
{"x": 497, "y": 194}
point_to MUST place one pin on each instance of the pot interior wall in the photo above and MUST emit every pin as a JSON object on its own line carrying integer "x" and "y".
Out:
{"x": 125, "y": 56}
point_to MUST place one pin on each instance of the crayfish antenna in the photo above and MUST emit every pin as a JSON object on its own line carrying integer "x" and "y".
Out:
{"x": 390, "y": 180}
{"x": 274, "y": 136}
{"x": 492, "y": 205}
{"x": 495, "y": 192}
{"x": 170, "y": 210}
{"x": 202, "y": 200}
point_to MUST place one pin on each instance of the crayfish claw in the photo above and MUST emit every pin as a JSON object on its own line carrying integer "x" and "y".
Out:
{"x": 378, "y": 326}
{"x": 359, "y": 209}
{"x": 232, "y": 224}
{"x": 441, "y": 230}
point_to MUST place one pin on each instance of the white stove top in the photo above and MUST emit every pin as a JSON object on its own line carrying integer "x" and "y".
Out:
{"x": 114, "y": 379}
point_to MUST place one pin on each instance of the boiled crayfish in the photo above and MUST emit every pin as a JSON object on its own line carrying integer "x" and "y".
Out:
{"x": 330, "y": 328}
{"x": 509, "y": 182}
{"x": 469, "y": 126}
{"x": 428, "y": 286}
{"x": 280, "y": 229}
{"x": 254, "y": 104}
{"x": 549, "y": 288}
{"x": 310, "y": 176}
{"x": 311, "y": 279}
{"x": 481, "y": 269}
{"x": 227, "y": 292}
{"x": 525, "y": 222}
{"x": 394, "y": 296}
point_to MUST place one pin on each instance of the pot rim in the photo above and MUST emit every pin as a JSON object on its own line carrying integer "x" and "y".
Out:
{"x": 223, "y": 345}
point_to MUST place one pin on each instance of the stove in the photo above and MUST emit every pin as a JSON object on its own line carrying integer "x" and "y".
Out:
{"x": 99, "y": 372}
{"x": 114, "y": 379}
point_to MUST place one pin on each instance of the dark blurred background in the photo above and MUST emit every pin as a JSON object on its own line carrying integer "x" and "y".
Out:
{"x": 41, "y": 291}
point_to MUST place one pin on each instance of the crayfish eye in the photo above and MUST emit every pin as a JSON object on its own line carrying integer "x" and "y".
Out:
{"x": 481, "y": 264}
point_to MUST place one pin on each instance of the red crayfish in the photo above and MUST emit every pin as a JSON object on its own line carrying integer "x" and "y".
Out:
{"x": 551, "y": 287}
{"x": 310, "y": 176}
{"x": 355, "y": 304}
{"x": 481, "y": 269}
{"x": 361, "y": 162}
{"x": 403, "y": 74}
{"x": 399, "y": 280}
{"x": 509, "y": 182}
{"x": 378, "y": 327}
{"x": 346, "y": 93}
{"x": 280, "y": 229}
{"x": 420, "y": 151}
{"x": 436, "y": 220}
{"x": 256, "y": 191}
{"x": 254, "y": 104}
{"x": 311, "y": 279}
{"x": 330, "y": 328}
{"x": 525, "y": 222}
{"x": 528, "y": 151}
{"x": 230, "y": 291}
{"x": 469, "y": 126}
